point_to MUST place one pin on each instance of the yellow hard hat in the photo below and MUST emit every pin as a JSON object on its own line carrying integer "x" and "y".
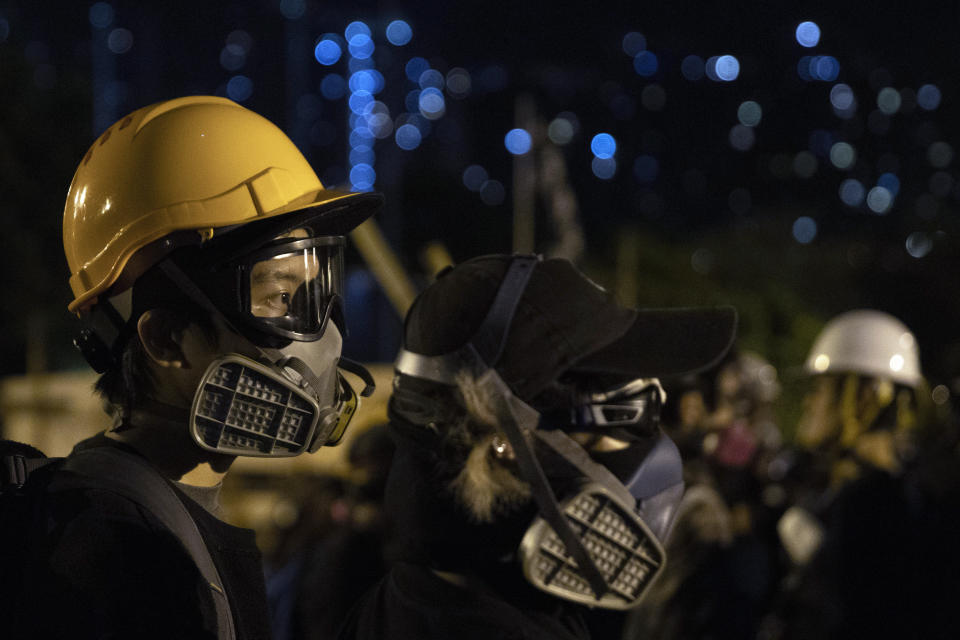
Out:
{"x": 199, "y": 163}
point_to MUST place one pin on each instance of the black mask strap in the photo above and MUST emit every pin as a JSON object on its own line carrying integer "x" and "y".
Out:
{"x": 488, "y": 344}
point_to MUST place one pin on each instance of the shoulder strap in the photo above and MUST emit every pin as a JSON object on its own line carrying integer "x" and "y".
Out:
{"x": 127, "y": 475}
{"x": 15, "y": 469}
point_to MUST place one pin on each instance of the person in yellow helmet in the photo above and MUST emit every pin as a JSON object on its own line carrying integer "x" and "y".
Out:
{"x": 206, "y": 263}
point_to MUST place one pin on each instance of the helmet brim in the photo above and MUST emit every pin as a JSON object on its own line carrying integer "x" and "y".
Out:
{"x": 327, "y": 212}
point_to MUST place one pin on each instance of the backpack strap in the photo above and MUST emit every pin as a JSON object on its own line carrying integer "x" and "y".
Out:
{"x": 130, "y": 476}
{"x": 16, "y": 468}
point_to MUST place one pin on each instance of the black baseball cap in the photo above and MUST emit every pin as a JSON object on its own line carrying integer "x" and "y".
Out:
{"x": 565, "y": 323}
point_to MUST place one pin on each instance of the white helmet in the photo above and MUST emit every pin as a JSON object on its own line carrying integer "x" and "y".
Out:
{"x": 867, "y": 342}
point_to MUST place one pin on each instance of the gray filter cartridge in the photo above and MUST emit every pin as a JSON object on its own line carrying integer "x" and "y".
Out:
{"x": 622, "y": 547}
{"x": 245, "y": 408}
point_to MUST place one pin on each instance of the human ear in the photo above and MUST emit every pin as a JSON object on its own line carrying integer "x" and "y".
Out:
{"x": 160, "y": 342}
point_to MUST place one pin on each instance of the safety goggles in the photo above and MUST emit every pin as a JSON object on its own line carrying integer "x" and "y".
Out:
{"x": 634, "y": 407}
{"x": 291, "y": 288}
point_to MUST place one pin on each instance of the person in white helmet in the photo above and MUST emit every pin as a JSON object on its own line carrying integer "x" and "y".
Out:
{"x": 858, "y": 533}
{"x": 862, "y": 408}
{"x": 206, "y": 262}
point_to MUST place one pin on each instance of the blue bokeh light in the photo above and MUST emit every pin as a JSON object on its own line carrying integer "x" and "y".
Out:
{"x": 804, "y": 229}
{"x": 361, "y": 46}
{"x": 749, "y": 113}
{"x": 474, "y": 176}
{"x": 362, "y": 177}
{"x": 645, "y": 63}
{"x": 842, "y": 97}
{"x": 430, "y": 78}
{"x": 742, "y": 137}
{"x": 603, "y": 145}
{"x": 432, "y": 103}
{"x": 359, "y": 64}
{"x": 561, "y": 130}
{"x": 918, "y": 244}
{"x": 879, "y": 200}
{"x": 399, "y": 33}
{"x": 356, "y": 28}
{"x": 727, "y": 68}
{"x": 359, "y": 101}
{"x": 421, "y": 123}
{"x": 327, "y": 51}
{"x": 239, "y": 88}
{"x": 604, "y": 168}
{"x": 120, "y": 40}
{"x": 415, "y": 68}
{"x": 825, "y": 68}
{"x": 363, "y": 80}
{"x": 692, "y": 68}
{"x": 518, "y": 141}
{"x": 378, "y": 82}
{"x": 233, "y": 57}
{"x": 633, "y": 43}
{"x": 293, "y": 9}
{"x": 333, "y": 86}
{"x": 362, "y": 155}
{"x": 361, "y": 137}
{"x": 852, "y": 192}
{"x": 890, "y": 182}
{"x": 493, "y": 193}
{"x": 928, "y": 97}
{"x": 808, "y": 34}
{"x": 843, "y": 155}
{"x": 101, "y": 15}
{"x": 408, "y": 137}
{"x": 458, "y": 82}
{"x": 380, "y": 124}
{"x": 412, "y": 100}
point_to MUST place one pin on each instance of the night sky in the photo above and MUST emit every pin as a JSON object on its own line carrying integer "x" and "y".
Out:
{"x": 758, "y": 191}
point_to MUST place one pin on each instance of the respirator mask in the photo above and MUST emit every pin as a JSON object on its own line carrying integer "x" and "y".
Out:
{"x": 598, "y": 538}
{"x": 288, "y": 303}
{"x": 285, "y": 394}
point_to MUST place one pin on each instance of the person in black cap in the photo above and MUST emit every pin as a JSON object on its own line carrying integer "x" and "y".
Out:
{"x": 531, "y": 475}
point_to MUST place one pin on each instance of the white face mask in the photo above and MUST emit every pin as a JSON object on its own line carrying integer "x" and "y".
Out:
{"x": 291, "y": 401}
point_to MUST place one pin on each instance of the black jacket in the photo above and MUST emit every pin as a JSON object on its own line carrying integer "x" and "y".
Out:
{"x": 413, "y": 602}
{"x": 435, "y": 533}
{"x": 107, "y": 568}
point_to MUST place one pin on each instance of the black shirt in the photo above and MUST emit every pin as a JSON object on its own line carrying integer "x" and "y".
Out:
{"x": 413, "y": 602}
{"x": 107, "y": 568}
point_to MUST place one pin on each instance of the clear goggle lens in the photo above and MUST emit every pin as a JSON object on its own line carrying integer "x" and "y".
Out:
{"x": 293, "y": 288}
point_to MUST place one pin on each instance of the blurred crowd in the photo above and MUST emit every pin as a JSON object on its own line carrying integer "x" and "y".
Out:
{"x": 841, "y": 525}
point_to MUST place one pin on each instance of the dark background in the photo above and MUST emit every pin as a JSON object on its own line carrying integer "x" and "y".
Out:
{"x": 713, "y": 226}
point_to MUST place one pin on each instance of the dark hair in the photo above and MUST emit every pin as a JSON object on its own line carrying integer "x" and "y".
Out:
{"x": 129, "y": 381}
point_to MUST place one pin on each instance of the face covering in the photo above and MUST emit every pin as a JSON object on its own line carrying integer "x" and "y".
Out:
{"x": 293, "y": 400}
{"x": 590, "y": 542}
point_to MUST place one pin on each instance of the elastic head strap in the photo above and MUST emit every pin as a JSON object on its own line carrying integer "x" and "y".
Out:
{"x": 516, "y": 418}
{"x": 491, "y": 337}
